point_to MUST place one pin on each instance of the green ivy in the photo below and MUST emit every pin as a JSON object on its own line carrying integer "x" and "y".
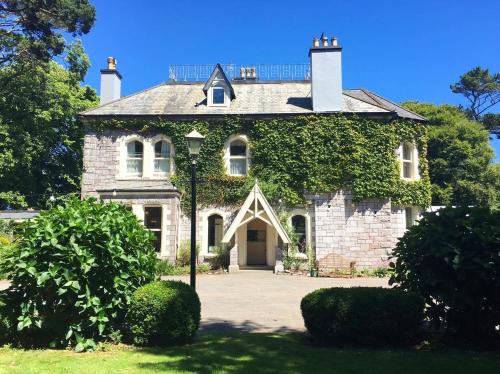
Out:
{"x": 316, "y": 153}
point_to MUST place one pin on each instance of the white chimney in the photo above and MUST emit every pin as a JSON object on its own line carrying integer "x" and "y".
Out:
{"x": 111, "y": 82}
{"x": 326, "y": 75}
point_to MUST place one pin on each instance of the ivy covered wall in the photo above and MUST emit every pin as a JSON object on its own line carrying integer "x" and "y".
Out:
{"x": 318, "y": 153}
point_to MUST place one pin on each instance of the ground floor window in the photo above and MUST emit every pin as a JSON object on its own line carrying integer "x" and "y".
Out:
{"x": 152, "y": 221}
{"x": 299, "y": 226}
{"x": 410, "y": 216}
{"x": 215, "y": 228}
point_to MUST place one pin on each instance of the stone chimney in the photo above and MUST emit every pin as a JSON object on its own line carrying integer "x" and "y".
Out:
{"x": 111, "y": 82}
{"x": 326, "y": 75}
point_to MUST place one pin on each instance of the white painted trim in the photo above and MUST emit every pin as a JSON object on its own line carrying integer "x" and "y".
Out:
{"x": 227, "y": 155}
{"x": 153, "y": 141}
{"x": 122, "y": 151}
{"x": 255, "y": 196}
{"x": 414, "y": 163}
{"x": 204, "y": 215}
{"x": 307, "y": 216}
{"x": 219, "y": 83}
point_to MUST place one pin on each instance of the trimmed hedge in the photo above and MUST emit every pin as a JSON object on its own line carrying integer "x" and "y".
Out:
{"x": 365, "y": 316}
{"x": 163, "y": 313}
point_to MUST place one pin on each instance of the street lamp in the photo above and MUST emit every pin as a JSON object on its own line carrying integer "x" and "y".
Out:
{"x": 194, "y": 140}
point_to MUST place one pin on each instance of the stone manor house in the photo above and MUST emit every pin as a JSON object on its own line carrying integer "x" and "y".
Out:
{"x": 136, "y": 168}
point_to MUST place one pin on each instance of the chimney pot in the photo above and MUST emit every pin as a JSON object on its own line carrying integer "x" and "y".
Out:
{"x": 111, "y": 63}
{"x": 242, "y": 72}
{"x": 315, "y": 42}
{"x": 324, "y": 40}
{"x": 334, "y": 41}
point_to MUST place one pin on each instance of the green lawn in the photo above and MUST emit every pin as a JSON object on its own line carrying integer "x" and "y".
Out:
{"x": 253, "y": 353}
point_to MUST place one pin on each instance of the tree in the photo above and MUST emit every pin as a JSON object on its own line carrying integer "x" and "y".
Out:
{"x": 459, "y": 157}
{"x": 482, "y": 90}
{"x": 30, "y": 30}
{"x": 40, "y": 134}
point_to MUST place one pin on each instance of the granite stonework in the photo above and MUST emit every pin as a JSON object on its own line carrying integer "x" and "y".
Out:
{"x": 342, "y": 232}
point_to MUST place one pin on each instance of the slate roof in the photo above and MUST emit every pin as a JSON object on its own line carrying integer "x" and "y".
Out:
{"x": 252, "y": 98}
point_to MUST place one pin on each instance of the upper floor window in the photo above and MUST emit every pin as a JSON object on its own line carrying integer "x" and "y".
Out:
{"x": 135, "y": 155}
{"x": 162, "y": 158}
{"x": 409, "y": 161}
{"x": 218, "y": 94}
{"x": 238, "y": 157}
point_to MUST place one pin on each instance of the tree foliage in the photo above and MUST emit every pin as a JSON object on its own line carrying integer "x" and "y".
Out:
{"x": 482, "y": 91}
{"x": 74, "y": 270}
{"x": 452, "y": 259}
{"x": 291, "y": 155}
{"x": 30, "y": 30}
{"x": 459, "y": 155}
{"x": 40, "y": 134}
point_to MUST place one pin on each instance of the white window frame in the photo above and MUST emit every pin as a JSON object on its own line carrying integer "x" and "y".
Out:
{"x": 217, "y": 84}
{"x": 126, "y": 158}
{"x": 228, "y": 157}
{"x": 154, "y": 141}
{"x": 160, "y": 230}
{"x": 307, "y": 216}
{"x": 414, "y": 169}
{"x": 414, "y": 213}
{"x": 204, "y": 240}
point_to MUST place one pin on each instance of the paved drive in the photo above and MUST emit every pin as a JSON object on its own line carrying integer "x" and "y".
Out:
{"x": 260, "y": 301}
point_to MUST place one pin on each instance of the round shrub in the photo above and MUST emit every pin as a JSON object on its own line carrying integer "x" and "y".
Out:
{"x": 452, "y": 259}
{"x": 163, "y": 313}
{"x": 363, "y": 316}
{"x": 75, "y": 268}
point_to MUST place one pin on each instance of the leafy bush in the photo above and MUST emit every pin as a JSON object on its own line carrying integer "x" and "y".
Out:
{"x": 452, "y": 259}
{"x": 184, "y": 254}
{"x": 163, "y": 313}
{"x": 363, "y": 316}
{"x": 75, "y": 269}
{"x": 164, "y": 267}
{"x": 220, "y": 259}
{"x": 6, "y": 328}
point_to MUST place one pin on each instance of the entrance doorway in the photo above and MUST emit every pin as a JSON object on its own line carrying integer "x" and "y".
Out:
{"x": 256, "y": 243}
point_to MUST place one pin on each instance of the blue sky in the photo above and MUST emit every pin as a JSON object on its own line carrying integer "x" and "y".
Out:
{"x": 403, "y": 50}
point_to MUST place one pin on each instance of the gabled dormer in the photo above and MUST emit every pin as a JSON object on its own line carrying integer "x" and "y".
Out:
{"x": 218, "y": 89}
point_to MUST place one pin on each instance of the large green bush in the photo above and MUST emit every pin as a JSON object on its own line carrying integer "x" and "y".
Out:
{"x": 363, "y": 316}
{"x": 452, "y": 259}
{"x": 74, "y": 270}
{"x": 163, "y": 313}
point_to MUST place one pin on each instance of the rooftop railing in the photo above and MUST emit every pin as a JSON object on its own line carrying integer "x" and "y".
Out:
{"x": 200, "y": 73}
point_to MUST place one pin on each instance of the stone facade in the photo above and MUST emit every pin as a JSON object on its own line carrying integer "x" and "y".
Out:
{"x": 343, "y": 233}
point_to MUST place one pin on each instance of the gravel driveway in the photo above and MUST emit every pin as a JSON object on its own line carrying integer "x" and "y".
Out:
{"x": 259, "y": 301}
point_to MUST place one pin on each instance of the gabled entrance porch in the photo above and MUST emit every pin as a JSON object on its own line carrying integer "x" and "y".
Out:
{"x": 256, "y": 234}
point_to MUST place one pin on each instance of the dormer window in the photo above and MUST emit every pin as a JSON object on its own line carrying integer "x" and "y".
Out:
{"x": 218, "y": 94}
{"x": 218, "y": 89}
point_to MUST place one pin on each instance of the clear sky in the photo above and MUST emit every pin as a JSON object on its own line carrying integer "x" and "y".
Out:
{"x": 403, "y": 50}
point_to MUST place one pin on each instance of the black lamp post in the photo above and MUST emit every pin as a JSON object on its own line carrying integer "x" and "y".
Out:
{"x": 194, "y": 140}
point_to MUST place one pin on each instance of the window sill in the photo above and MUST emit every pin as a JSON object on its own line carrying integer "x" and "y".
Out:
{"x": 132, "y": 178}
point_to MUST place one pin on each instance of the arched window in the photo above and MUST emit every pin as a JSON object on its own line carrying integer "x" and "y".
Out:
{"x": 135, "y": 154}
{"x": 215, "y": 231}
{"x": 238, "y": 157}
{"x": 409, "y": 161}
{"x": 299, "y": 226}
{"x": 162, "y": 159}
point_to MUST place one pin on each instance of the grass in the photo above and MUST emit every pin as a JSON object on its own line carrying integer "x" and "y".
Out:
{"x": 247, "y": 353}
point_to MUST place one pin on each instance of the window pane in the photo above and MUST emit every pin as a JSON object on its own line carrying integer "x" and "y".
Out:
{"x": 218, "y": 95}
{"x": 238, "y": 166}
{"x": 157, "y": 242}
{"x": 408, "y": 217}
{"x": 299, "y": 226}
{"x": 238, "y": 148}
{"x": 152, "y": 217}
{"x": 214, "y": 232}
{"x": 407, "y": 169}
{"x": 134, "y": 149}
{"x": 162, "y": 150}
{"x": 407, "y": 152}
{"x": 256, "y": 235}
{"x": 134, "y": 166}
{"x": 162, "y": 166}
